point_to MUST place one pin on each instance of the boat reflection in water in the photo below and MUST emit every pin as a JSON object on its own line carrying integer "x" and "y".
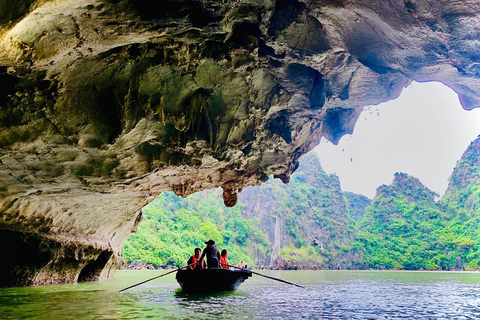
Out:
{"x": 211, "y": 280}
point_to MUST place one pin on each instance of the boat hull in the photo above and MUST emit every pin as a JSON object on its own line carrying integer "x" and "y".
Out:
{"x": 211, "y": 280}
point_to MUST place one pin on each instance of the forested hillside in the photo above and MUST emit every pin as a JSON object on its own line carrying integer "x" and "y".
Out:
{"x": 357, "y": 203}
{"x": 462, "y": 197}
{"x": 402, "y": 228}
{"x": 173, "y": 227}
{"x": 461, "y": 205}
{"x": 405, "y": 228}
{"x": 310, "y": 223}
{"x": 304, "y": 223}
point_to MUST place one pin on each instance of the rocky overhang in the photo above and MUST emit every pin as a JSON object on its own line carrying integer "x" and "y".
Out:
{"x": 106, "y": 104}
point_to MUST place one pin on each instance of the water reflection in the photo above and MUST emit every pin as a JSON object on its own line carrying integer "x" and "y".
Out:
{"x": 328, "y": 295}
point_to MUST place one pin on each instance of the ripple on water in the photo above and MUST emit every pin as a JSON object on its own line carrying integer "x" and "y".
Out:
{"x": 326, "y": 296}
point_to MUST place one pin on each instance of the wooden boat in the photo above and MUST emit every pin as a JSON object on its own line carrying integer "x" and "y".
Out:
{"x": 211, "y": 280}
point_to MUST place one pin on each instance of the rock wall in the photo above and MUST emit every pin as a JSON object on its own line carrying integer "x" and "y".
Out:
{"x": 308, "y": 211}
{"x": 106, "y": 104}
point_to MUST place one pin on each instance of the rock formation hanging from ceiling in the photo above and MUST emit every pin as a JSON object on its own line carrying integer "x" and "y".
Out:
{"x": 105, "y": 104}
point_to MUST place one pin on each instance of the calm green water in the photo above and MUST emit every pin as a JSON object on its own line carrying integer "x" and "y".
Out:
{"x": 328, "y": 295}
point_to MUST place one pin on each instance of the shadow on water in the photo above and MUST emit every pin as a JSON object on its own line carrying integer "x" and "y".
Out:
{"x": 224, "y": 305}
{"x": 180, "y": 294}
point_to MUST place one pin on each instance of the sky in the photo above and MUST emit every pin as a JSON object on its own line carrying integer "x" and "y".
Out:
{"x": 423, "y": 133}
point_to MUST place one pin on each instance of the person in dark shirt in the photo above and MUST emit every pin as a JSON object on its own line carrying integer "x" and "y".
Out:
{"x": 194, "y": 262}
{"x": 212, "y": 254}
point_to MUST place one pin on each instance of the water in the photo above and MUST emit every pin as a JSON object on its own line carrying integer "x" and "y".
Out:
{"x": 328, "y": 295}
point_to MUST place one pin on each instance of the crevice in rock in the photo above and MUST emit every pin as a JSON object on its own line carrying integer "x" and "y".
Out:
{"x": 339, "y": 121}
{"x": 317, "y": 95}
{"x": 279, "y": 125}
{"x": 11, "y": 10}
{"x": 94, "y": 268}
{"x": 27, "y": 254}
{"x": 286, "y": 12}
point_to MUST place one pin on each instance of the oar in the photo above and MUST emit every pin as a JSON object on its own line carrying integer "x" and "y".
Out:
{"x": 156, "y": 277}
{"x": 273, "y": 278}
{"x": 281, "y": 280}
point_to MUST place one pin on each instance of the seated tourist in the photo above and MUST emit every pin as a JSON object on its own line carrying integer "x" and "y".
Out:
{"x": 194, "y": 263}
{"x": 223, "y": 259}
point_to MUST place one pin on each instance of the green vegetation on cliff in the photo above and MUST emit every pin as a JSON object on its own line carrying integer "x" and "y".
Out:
{"x": 304, "y": 223}
{"x": 173, "y": 227}
{"x": 405, "y": 228}
{"x": 310, "y": 223}
{"x": 461, "y": 205}
{"x": 402, "y": 228}
{"x": 357, "y": 204}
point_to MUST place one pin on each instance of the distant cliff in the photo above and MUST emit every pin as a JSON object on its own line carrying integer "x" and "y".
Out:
{"x": 405, "y": 228}
{"x": 461, "y": 205}
{"x": 463, "y": 194}
{"x": 401, "y": 227}
{"x": 357, "y": 204}
{"x": 310, "y": 223}
{"x": 310, "y": 211}
{"x": 303, "y": 224}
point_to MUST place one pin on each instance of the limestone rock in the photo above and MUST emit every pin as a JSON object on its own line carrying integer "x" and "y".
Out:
{"x": 106, "y": 104}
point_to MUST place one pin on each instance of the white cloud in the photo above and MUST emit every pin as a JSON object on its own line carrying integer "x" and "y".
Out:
{"x": 423, "y": 133}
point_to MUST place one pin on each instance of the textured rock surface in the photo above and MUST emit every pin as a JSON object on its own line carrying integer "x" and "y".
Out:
{"x": 105, "y": 104}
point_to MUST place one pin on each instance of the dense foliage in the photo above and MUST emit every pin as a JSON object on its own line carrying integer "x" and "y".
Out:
{"x": 304, "y": 223}
{"x": 402, "y": 228}
{"x": 405, "y": 228}
{"x": 357, "y": 204}
{"x": 173, "y": 227}
{"x": 310, "y": 223}
{"x": 461, "y": 206}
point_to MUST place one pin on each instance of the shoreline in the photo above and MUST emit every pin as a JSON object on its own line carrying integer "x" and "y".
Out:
{"x": 141, "y": 266}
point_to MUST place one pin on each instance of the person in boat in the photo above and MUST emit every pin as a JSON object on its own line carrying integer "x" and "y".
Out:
{"x": 212, "y": 254}
{"x": 194, "y": 262}
{"x": 240, "y": 265}
{"x": 223, "y": 259}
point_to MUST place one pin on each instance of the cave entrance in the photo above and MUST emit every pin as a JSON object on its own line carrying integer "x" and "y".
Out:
{"x": 27, "y": 254}
{"x": 307, "y": 218}
{"x": 422, "y": 133}
{"x": 92, "y": 270}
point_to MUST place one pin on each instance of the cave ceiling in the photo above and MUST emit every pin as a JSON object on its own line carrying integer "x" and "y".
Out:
{"x": 106, "y": 104}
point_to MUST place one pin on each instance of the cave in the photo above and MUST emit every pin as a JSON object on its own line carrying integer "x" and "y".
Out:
{"x": 105, "y": 104}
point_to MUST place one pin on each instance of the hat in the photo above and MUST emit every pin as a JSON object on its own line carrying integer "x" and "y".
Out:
{"x": 210, "y": 242}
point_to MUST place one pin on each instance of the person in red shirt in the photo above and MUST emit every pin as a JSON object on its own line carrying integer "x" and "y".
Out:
{"x": 223, "y": 259}
{"x": 194, "y": 262}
